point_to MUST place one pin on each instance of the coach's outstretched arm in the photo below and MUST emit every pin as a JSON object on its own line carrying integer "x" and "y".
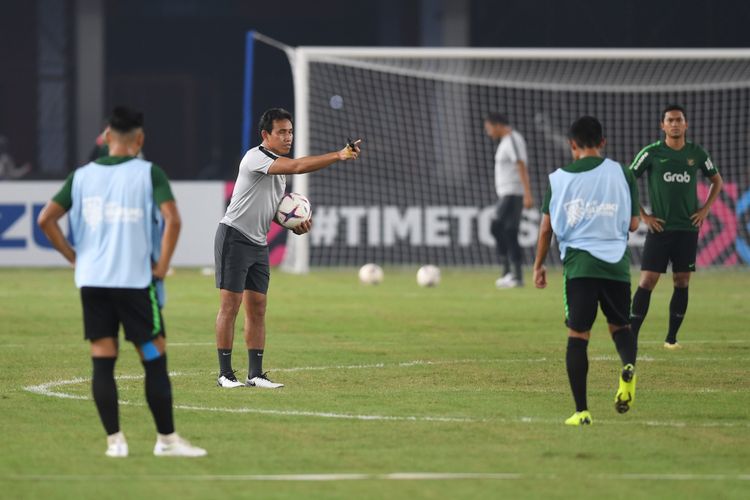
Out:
{"x": 306, "y": 164}
{"x": 48, "y": 222}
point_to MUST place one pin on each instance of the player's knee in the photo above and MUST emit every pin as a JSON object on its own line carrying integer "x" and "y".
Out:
{"x": 230, "y": 304}
{"x": 257, "y": 309}
{"x": 681, "y": 280}
{"x": 648, "y": 281}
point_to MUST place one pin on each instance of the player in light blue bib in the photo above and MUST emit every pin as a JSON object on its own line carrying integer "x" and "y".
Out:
{"x": 125, "y": 225}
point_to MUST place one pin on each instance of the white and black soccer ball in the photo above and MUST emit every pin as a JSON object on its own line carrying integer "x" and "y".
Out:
{"x": 293, "y": 210}
{"x": 371, "y": 274}
{"x": 428, "y": 276}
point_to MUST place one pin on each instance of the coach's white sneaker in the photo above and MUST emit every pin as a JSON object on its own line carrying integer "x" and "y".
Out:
{"x": 262, "y": 382}
{"x": 172, "y": 445}
{"x": 511, "y": 283}
{"x": 502, "y": 280}
{"x": 117, "y": 447}
{"x": 229, "y": 381}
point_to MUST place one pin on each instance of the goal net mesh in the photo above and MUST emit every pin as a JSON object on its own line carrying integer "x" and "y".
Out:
{"x": 423, "y": 191}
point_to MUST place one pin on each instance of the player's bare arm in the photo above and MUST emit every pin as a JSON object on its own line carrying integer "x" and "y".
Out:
{"x": 634, "y": 223}
{"x": 48, "y": 221}
{"x": 307, "y": 164}
{"x": 172, "y": 225}
{"x": 523, "y": 172}
{"x": 713, "y": 192}
{"x": 654, "y": 223}
{"x": 542, "y": 249}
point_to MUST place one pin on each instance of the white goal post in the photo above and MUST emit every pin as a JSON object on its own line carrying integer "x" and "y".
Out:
{"x": 423, "y": 190}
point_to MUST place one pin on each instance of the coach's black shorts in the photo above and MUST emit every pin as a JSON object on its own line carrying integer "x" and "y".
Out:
{"x": 136, "y": 309}
{"x": 583, "y": 296}
{"x": 677, "y": 247}
{"x": 240, "y": 263}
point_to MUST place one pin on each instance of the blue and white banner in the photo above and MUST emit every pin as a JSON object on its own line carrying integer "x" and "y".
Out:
{"x": 22, "y": 243}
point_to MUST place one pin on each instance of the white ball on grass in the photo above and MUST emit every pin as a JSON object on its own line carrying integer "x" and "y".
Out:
{"x": 371, "y": 274}
{"x": 428, "y": 276}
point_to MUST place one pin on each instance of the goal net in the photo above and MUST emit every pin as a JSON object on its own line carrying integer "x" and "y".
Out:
{"x": 423, "y": 190}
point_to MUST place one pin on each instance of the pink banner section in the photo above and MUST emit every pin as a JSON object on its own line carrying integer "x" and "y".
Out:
{"x": 718, "y": 234}
{"x": 276, "y": 244}
{"x": 276, "y": 236}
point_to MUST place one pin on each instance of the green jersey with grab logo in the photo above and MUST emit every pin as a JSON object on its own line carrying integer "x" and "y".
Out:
{"x": 673, "y": 181}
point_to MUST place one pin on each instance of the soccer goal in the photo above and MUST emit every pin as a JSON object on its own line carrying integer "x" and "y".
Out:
{"x": 423, "y": 191}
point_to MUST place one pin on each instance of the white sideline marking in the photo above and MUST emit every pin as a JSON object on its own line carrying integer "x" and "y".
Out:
{"x": 733, "y": 341}
{"x": 730, "y": 341}
{"x": 394, "y": 476}
{"x": 47, "y": 389}
{"x": 206, "y": 344}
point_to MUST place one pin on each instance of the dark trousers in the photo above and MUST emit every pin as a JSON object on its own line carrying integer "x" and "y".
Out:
{"x": 505, "y": 230}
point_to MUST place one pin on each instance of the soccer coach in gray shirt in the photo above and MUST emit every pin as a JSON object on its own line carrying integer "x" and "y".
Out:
{"x": 241, "y": 247}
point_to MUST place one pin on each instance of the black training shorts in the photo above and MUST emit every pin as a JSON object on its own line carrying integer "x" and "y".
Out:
{"x": 136, "y": 309}
{"x": 678, "y": 247}
{"x": 240, "y": 263}
{"x": 583, "y": 296}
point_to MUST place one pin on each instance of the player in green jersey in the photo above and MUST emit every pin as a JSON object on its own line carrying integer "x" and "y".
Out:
{"x": 672, "y": 167}
{"x": 590, "y": 206}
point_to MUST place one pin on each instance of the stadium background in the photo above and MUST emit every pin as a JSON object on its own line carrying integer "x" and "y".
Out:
{"x": 64, "y": 63}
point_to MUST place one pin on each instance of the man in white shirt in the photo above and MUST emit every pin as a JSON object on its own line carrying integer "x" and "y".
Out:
{"x": 241, "y": 246}
{"x": 514, "y": 194}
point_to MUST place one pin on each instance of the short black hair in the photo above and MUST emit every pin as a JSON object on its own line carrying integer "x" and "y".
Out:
{"x": 124, "y": 119}
{"x": 271, "y": 115}
{"x": 586, "y": 132}
{"x": 497, "y": 118}
{"x": 673, "y": 107}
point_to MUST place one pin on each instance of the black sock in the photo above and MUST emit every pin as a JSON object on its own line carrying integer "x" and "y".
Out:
{"x": 159, "y": 393}
{"x": 255, "y": 357}
{"x": 677, "y": 308}
{"x": 641, "y": 300}
{"x": 104, "y": 389}
{"x": 577, "y": 363}
{"x": 225, "y": 361}
{"x": 626, "y": 345}
{"x": 518, "y": 271}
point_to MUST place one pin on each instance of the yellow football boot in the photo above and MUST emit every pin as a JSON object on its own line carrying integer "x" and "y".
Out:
{"x": 579, "y": 418}
{"x": 626, "y": 393}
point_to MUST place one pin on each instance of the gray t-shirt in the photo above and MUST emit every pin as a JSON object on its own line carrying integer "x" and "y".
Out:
{"x": 511, "y": 150}
{"x": 255, "y": 196}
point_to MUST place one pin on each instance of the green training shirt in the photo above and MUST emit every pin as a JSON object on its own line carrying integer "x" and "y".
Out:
{"x": 159, "y": 181}
{"x": 673, "y": 181}
{"x": 581, "y": 264}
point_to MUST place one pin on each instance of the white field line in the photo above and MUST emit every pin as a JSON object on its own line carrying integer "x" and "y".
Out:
{"x": 49, "y": 389}
{"x": 394, "y": 476}
{"x": 210, "y": 344}
{"x": 730, "y": 341}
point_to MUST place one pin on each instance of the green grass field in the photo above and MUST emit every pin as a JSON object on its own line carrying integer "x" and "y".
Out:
{"x": 459, "y": 379}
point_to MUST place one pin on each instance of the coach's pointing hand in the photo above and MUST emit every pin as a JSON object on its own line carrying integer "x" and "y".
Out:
{"x": 350, "y": 151}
